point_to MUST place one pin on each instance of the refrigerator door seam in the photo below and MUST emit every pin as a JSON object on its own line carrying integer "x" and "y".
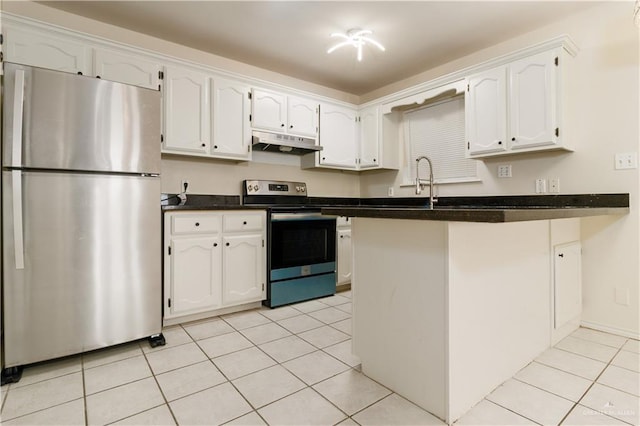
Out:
{"x": 18, "y": 239}
{"x": 18, "y": 110}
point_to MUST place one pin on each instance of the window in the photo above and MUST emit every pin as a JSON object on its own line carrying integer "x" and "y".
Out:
{"x": 437, "y": 131}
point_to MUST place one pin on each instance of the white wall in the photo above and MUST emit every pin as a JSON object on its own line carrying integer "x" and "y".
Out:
{"x": 224, "y": 177}
{"x": 602, "y": 120}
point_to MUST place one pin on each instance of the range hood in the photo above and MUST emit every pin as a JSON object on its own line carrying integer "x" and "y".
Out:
{"x": 286, "y": 144}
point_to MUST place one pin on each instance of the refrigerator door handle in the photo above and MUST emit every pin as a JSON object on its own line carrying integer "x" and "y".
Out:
{"x": 16, "y": 125}
{"x": 18, "y": 238}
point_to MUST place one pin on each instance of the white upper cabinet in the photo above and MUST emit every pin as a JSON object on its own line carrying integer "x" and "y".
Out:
{"x": 532, "y": 118}
{"x": 284, "y": 114}
{"x": 45, "y": 50}
{"x": 124, "y": 68}
{"x": 517, "y": 107}
{"x": 268, "y": 110}
{"x": 186, "y": 111}
{"x": 338, "y": 136}
{"x": 70, "y": 55}
{"x": 369, "y": 121}
{"x": 302, "y": 116}
{"x": 230, "y": 125}
{"x": 486, "y": 112}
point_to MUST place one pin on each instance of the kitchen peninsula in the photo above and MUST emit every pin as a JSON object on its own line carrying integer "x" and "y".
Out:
{"x": 452, "y": 301}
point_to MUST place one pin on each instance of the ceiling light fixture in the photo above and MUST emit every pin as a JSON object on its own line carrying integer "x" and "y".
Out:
{"x": 356, "y": 38}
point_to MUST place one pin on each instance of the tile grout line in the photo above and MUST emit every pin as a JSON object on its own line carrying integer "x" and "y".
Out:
{"x": 591, "y": 386}
{"x": 506, "y": 408}
{"x": 155, "y": 379}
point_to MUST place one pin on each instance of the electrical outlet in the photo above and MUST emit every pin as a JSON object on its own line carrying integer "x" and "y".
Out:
{"x": 627, "y": 160}
{"x": 541, "y": 186}
{"x": 504, "y": 171}
{"x": 390, "y": 191}
{"x": 184, "y": 185}
{"x": 554, "y": 185}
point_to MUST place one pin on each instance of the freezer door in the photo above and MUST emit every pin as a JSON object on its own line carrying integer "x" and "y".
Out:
{"x": 92, "y": 263}
{"x": 56, "y": 120}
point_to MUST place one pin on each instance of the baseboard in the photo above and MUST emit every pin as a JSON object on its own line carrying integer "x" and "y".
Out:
{"x": 613, "y": 330}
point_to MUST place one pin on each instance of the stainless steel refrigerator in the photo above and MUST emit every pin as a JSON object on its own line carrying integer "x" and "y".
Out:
{"x": 81, "y": 232}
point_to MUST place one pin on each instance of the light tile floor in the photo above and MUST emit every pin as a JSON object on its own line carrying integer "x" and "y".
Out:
{"x": 293, "y": 365}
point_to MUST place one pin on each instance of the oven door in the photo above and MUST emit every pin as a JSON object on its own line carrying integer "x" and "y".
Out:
{"x": 300, "y": 239}
{"x": 302, "y": 254}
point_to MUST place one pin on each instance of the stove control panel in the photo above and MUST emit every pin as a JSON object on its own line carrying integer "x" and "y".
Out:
{"x": 274, "y": 187}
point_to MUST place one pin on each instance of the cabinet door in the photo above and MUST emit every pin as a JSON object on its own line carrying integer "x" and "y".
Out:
{"x": 344, "y": 256}
{"x": 47, "y": 51}
{"x": 302, "y": 115}
{"x": 532, "y": 101}
{"x": 231, "y": 126}
{"x": 268, "y": 110}
{"x": 195, "y": 274}
{"x": 129, "y": 69}
{"x": 338, "y": 136}
{"x": 243, "y": 269}
{"x": 186, "y": 111}
{"x": 486, "y": 112}
{"x": 369, "y": 142}
{"x": 567, "y": 282}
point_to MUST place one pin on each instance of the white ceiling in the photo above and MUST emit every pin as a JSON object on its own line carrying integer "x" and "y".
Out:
{"x": 292, "y": 37}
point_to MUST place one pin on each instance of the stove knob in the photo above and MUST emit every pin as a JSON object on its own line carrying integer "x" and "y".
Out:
{"x": 249, "y": 188}
{"x": 303, "y": 189}
{"x": 297, "y": 188}
{"x": 256, "y": 187}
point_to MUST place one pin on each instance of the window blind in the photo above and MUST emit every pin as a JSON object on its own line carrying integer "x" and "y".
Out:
{"x": 438, "y": 131}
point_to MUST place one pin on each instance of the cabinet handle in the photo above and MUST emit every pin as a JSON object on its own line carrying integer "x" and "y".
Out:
{"x": 215, "y": 147}
{"x": 374, "y": 160}
{"x": 341, "y": 236}
{"x": 244, "y": 223}
{"x": 291, "y": 126}
{"x": 197, "y": 223}
{"x": 227, "y": 244}
{"x": 204, "y": 144}
{"x": 215, "y": 244}
{"x": 79, "y": 72}
{"x": 561, "y": 255}
{"x": 499, "y": 142}
{"x": 282, "y": 125}
{"x": 323, "y": 158}
{"x": 513, "y": 139}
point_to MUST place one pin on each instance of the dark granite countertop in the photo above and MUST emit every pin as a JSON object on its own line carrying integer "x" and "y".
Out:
{"x": 169, "y": 202}
{"x": 491, "y": 209}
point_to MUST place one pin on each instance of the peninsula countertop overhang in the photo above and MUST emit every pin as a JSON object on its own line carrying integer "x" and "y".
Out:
{"x": 490, "y": 209}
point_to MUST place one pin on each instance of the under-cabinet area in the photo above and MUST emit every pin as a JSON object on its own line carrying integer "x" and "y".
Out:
{"x": 213, "y": 262}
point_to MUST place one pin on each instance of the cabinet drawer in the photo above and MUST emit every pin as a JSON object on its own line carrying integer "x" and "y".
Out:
{"x": 195, "y": 224}
{"x": 242, "y": 222}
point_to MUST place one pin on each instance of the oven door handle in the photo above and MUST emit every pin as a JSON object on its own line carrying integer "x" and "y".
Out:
{"x": 276, "y": 217}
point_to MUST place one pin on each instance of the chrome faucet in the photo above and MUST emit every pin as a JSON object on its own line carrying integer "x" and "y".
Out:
{"x": 419, "y": 185}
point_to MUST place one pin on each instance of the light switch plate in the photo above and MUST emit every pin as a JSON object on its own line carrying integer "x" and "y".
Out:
{"x": 541, "y": 186}
{"x": 627, "y": 160}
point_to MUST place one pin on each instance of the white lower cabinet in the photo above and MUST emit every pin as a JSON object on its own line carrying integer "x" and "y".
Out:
{"x": 196, "y": 263}
{"x": 343, "y": 251}
{"x": 242, "y": 280}
{"x": 567, "y": 283}
{"x": 213, "y": 260}
{"x": 566, "y": 272}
